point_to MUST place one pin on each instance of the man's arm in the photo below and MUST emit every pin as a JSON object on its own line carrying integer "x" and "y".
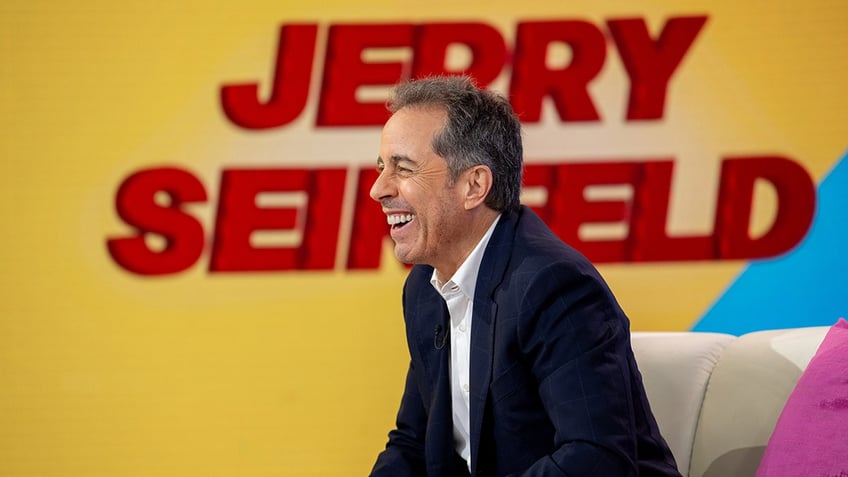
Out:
{"x": 576, "y": 340}
{"x": 404, "y": 453}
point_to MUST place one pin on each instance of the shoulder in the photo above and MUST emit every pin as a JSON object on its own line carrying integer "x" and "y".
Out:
{"x": 417, "y": 289}
{"x": 542, "y": 267}
{"x": 418, "y": 278}
{"x": 536, "y": 249}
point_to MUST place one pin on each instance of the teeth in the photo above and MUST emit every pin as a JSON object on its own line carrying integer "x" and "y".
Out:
{"x": 399, "y": 219}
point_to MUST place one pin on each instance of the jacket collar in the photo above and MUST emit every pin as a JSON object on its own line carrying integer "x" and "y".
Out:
{"x": 492, "y": 269}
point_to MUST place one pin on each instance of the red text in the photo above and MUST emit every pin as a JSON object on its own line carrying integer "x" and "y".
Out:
{"x": 649, "y": 61}
{"x": 316, "y": 220}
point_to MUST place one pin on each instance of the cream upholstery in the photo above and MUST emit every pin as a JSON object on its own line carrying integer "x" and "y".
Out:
{"x": 717, "y": 397}
{"x": 675, "y": 369}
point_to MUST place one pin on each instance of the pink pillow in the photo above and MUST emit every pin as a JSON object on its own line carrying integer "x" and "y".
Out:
{"x": 811, "y": 435}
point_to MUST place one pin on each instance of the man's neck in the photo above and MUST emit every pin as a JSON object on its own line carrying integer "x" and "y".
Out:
{"x": 480, "y": 224}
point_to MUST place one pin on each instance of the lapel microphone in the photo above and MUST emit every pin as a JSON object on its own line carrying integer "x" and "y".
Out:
{"x": 439, "y": 339}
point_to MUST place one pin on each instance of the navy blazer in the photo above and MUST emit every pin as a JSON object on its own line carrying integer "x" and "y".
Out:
{"x": 555, "y": 390}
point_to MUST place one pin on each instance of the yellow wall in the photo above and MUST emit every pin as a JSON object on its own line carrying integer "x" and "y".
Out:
{"x": 107, "y": 373}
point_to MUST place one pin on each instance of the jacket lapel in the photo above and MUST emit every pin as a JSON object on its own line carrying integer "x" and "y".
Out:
{"x": 492, "y": 269}
{"x": 430, "y": 312}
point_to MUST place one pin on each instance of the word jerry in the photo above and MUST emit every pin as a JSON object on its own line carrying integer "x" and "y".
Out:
{"x": 648, "y": 62}
{"x": 314, "y": 218}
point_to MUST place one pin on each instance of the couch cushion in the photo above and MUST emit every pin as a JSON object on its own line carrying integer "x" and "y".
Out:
{"x": 745, "y": 395}
{"x": 810, "y": 437}
{"x": 675, "y": 368}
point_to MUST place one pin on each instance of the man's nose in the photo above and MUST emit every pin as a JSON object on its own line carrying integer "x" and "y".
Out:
{"x": 382, "y": 187}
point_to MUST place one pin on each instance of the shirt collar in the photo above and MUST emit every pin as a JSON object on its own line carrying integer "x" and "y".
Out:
{"x": 465, "y": 276}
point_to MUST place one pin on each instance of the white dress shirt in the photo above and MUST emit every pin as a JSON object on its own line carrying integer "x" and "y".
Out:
{"x": 458, "y": 293}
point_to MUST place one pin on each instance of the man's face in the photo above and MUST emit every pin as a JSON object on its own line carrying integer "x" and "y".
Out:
{"x": 424, "y": 211}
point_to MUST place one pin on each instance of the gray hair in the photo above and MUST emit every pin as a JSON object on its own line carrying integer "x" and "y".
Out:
{"x": 481, "y": 129}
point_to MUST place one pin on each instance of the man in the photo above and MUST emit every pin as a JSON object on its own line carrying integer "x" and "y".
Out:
{"x": 520, "y": 356}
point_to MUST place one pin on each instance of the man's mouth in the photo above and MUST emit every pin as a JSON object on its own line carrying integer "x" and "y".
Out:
{"x": 397, "y": 221}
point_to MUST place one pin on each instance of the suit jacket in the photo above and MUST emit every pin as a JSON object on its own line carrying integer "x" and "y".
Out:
{"x": 555, "y": 390}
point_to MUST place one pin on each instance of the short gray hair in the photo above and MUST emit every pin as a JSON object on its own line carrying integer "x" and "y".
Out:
{"x": 481, "y": 129}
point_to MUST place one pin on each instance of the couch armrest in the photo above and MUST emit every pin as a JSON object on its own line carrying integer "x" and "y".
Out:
{"x": 676, "y": 368}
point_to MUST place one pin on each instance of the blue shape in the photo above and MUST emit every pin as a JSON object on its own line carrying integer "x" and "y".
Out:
{"x": 806, "y": 287}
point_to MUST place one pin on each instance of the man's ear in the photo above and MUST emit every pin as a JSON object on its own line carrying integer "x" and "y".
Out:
{"x": 478, "y": 180}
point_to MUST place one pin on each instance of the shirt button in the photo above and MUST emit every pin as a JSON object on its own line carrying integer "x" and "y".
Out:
{"x": 465, "y": 387}
{"x": 462, "y": 327}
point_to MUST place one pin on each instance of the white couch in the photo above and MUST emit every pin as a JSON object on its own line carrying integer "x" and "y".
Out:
{"x": 717, "y": 397}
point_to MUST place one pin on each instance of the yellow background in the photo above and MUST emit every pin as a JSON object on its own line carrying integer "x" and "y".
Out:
{"x": 107, "y": 373}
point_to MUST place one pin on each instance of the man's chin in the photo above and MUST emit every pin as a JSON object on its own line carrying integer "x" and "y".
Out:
{"x": 404, "y": 256}
{"x": 403, "y": 259}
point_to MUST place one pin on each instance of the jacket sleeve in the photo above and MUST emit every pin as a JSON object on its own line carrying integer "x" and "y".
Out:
{"x": 404, "y": 452}
{"x": 575, "y": 338}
